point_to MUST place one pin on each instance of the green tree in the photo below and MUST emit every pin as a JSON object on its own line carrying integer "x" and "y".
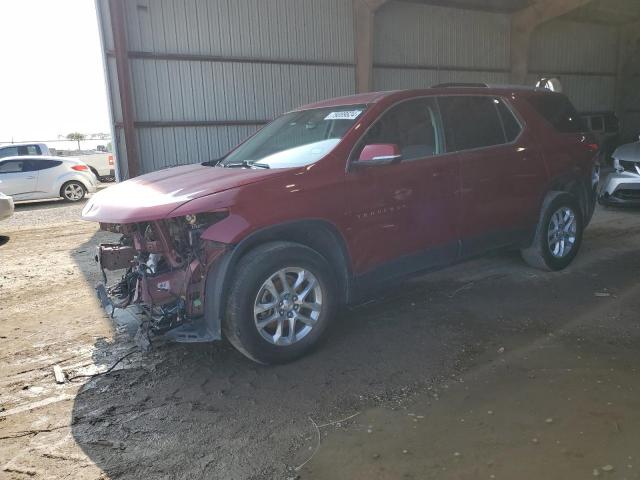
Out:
{"x": 76, "y": 136}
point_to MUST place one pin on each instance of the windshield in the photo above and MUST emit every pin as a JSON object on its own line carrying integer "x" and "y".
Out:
{"x": 296, "y": 139}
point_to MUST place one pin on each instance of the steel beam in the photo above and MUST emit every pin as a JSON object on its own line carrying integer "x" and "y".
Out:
{"x": 628, "y": 79}
{"x": 523, "y": 24}
{"x": 363, "y": 19}
{"x": 118, "y": 26}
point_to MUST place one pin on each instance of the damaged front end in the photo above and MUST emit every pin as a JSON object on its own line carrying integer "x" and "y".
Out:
{"x": 163, "y": 288}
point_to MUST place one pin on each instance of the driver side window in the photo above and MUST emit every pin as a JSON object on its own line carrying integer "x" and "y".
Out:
{"x": 412, "y": 126}
{"x": 14, "y": 166}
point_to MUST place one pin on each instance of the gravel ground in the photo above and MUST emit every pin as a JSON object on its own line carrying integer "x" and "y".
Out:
{"x": 205, "y": 411}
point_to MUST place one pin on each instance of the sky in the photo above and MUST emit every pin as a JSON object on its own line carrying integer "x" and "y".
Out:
{"x": 51, "y": 74}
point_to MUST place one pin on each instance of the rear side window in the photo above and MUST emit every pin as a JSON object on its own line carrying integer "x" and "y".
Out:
{"x": 471, "y": 122}
{"x": 559, "y": 112}
{"x": 31, "y": 150}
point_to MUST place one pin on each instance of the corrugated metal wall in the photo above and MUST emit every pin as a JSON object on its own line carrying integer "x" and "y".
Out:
{"x": 417, "y": 46}
{"x": 583, "y": 55}
{"x": 206, "y": 73}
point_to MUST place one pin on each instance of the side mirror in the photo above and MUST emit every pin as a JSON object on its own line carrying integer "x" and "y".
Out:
{"x": 379, "y": 153}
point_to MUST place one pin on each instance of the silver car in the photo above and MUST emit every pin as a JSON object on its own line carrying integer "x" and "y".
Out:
{"x": 41, "y": 177}
{"x": 6, "y": 206}
{"x": 622, "y": 186}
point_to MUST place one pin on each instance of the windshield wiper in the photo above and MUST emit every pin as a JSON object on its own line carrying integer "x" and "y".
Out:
{"x": 211, "y": 163}
{"x": 246, "y": 164}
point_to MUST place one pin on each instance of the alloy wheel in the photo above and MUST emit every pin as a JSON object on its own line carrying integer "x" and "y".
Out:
{"x": 73, "y": 192}
{"x": 561, "y": 233}
{"x": 288, "y": 306}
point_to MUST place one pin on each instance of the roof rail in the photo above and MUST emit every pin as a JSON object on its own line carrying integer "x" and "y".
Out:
{"x": 460, "y": 84}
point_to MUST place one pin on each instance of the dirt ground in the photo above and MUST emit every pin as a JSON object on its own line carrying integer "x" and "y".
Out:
{"x": 488, "y": 370}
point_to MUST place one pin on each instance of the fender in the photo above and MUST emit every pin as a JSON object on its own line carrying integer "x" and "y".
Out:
{"x": 229, "y": 230}
{"x": 321, "y": 235}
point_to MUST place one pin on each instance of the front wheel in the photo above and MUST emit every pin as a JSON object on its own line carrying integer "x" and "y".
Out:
{"x": 558, "y": 234}
{"x": 280, "y": 302}
{"x": 73, "y": 191}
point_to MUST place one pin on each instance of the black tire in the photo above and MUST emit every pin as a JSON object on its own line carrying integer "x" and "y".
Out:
{"x": 251, "y": 272}
{"x": 78, "y": 186}
{"x": 539, "y": 254}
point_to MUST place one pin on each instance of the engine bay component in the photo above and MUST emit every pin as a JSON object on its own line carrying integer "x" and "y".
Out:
{"x": 115, "y": 256}
{"x": 163, "y": 284}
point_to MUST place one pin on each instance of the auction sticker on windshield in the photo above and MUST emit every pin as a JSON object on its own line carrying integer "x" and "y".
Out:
{"x": 348, "y": 115}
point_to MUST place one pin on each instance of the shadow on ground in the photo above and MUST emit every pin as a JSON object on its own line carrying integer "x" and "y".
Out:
{"x": 204, "y": 411}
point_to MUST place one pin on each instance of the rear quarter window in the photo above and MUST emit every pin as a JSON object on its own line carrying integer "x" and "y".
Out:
{"x": 558, "y": 111}
{"x": 43, "y": 164}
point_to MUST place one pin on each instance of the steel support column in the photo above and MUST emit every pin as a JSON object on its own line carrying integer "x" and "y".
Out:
{"x": 363, "y": 19}
{"x": 627, "y": 80}
{"x": 118, "y": 26}
{"x": 524, "y": 23}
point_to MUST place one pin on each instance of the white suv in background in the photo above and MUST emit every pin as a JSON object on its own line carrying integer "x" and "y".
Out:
{"x": 41, "y": 177}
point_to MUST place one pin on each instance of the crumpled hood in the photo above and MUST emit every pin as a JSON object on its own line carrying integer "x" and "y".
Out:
{"x": 155, "y": 195}
{"x": 629, "y": 152}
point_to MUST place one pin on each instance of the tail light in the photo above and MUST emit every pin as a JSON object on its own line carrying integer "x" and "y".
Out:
{"x": 80, "y": 168}
{"x": 110, "y": 159}
{"x": 593, "y": 147}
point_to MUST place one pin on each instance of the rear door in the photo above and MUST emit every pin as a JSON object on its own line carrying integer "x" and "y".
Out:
{"x": 500, "y": 170}
{"x": 17, "y": 178}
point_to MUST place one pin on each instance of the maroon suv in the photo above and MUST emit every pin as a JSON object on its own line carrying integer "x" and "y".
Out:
{"x": 331, "y": 201}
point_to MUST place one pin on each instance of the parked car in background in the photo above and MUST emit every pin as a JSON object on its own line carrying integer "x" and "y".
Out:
{"x": 622, "y": 186}
{"x": 21, "y": 149}
{"x": 341, "y": 198}
{"x": 605, "y": 127}
{"x": 40, "y": 177}
{"x": 6, "y": 206}
{"x": 101, "y": 164}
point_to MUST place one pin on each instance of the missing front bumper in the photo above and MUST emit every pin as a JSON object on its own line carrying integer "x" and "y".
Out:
{"x": 134, "y": 320}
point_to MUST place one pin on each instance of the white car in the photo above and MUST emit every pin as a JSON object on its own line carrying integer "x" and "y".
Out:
{"x": 6, "y": 206}
{"x": 41, "y": 177}
{"x": 622, "y": 186}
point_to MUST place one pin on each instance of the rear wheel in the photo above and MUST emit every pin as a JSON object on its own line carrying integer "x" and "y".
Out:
{"x": 280, "y": 302}
{"x": 558, "y": 234}
{"x": 73, "y": 191}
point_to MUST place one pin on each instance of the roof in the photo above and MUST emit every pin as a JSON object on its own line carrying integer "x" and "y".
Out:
{"x": 358, "y": 99}
{"x": 21, "y": 144}
{"x": 375, "y": 97}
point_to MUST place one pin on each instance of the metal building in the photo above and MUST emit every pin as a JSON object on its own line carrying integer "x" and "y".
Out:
{"x": 189, "y": 79}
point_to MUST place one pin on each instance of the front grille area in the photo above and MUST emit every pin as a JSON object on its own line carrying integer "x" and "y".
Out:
{"x": 627, "y": 194}
{"x": 629, "y": 166}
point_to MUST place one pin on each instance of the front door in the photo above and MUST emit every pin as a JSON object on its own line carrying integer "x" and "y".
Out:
{"x": 403, "y": 211}
{"x": 17, "y": 178}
